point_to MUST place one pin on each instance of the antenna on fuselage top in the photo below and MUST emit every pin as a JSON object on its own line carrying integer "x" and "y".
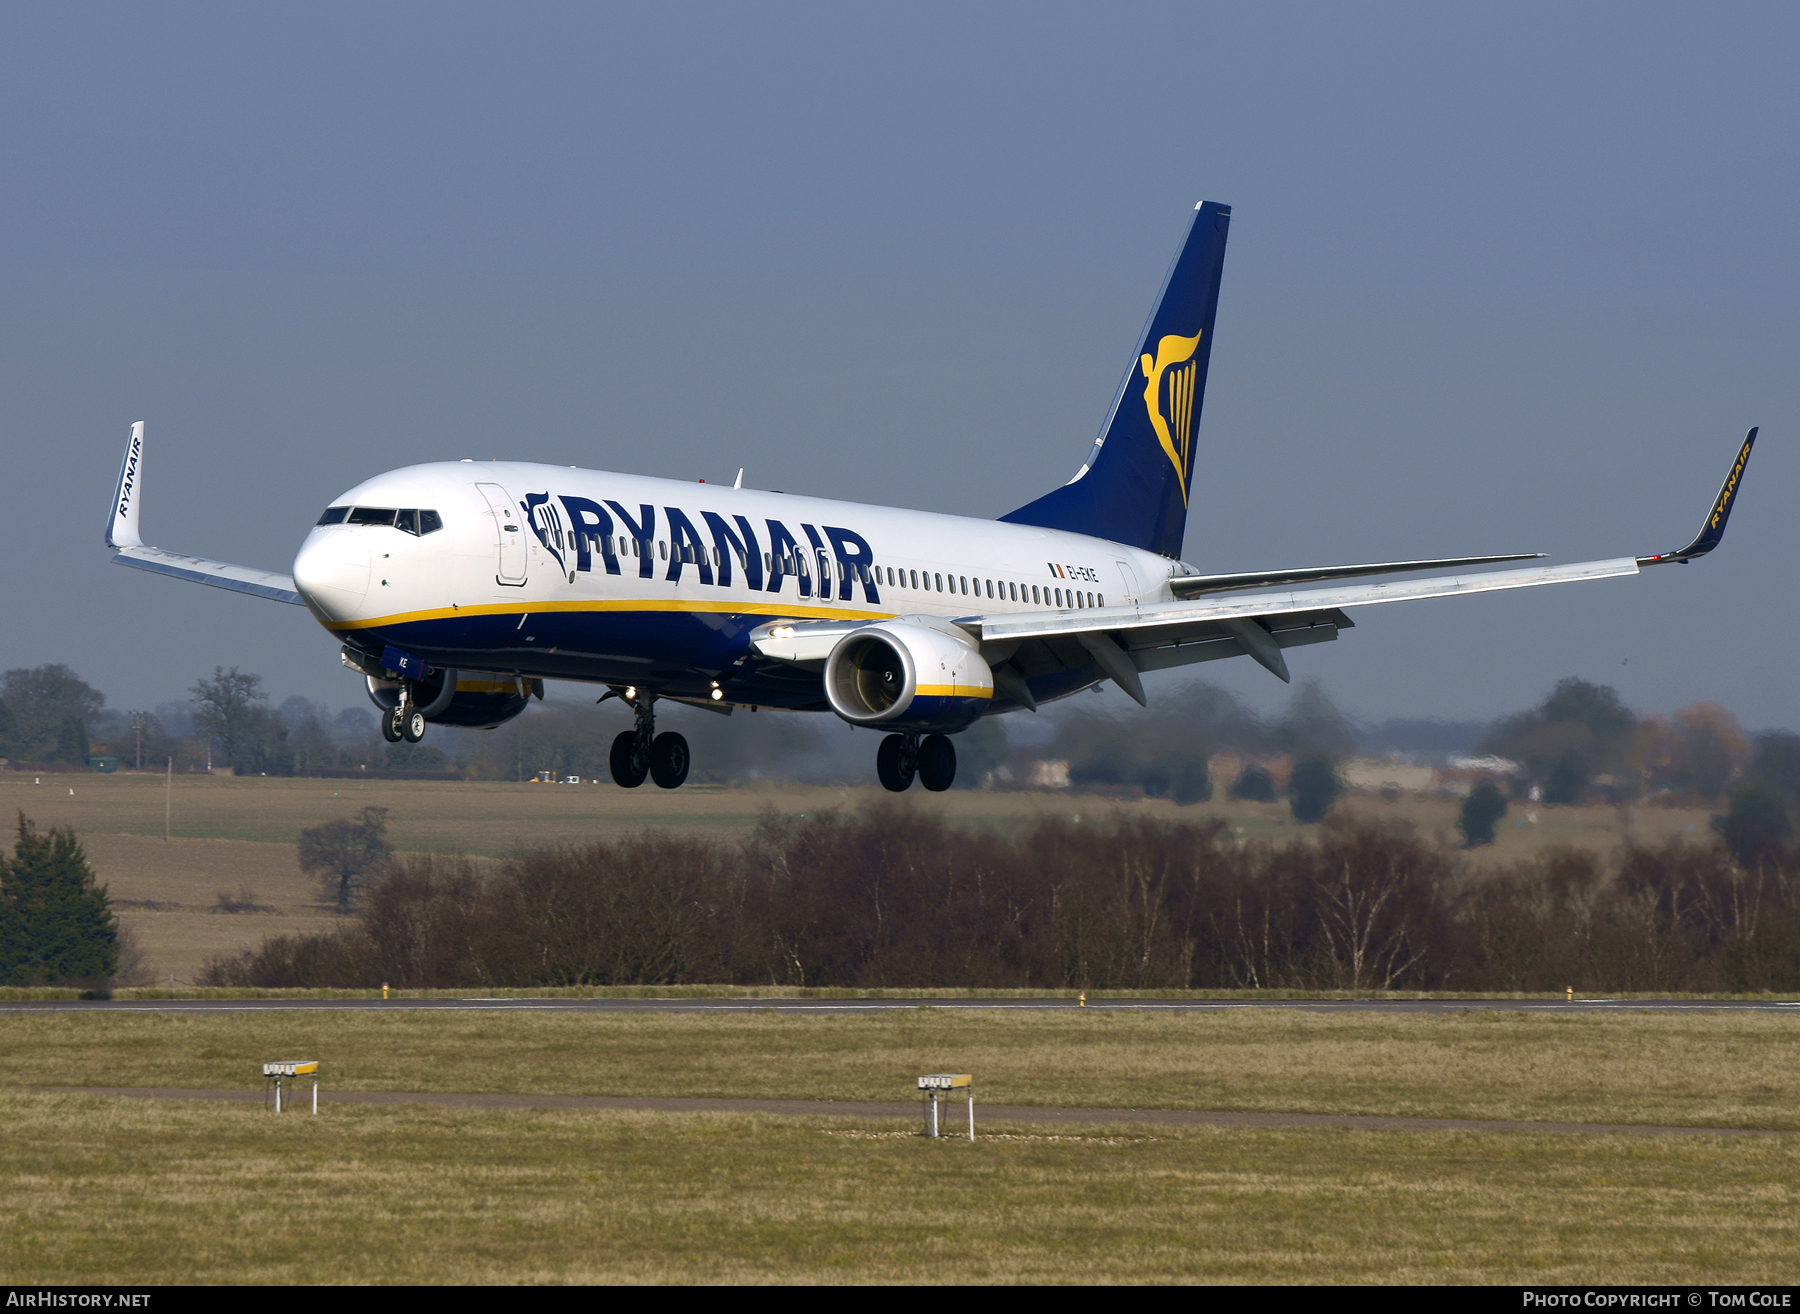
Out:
{"x": 739, "y": 481}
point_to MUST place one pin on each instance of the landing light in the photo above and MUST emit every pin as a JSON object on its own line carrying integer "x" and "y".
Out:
{"x": 718, "y": 695}
{"x": 631, "y": 692}
{"x": 782, "y": 632}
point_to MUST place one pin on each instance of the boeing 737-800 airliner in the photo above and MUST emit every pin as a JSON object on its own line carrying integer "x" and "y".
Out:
{"x": 456, "y": 589}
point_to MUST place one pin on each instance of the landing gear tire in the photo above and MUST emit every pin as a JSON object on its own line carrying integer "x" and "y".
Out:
{"x": 891, "y": 766}
{"x": 623, "y": 773}
{"x": 412, "y": 729}
{"x": 669, "y": 760}
{"x": 391, "y": 725}
{"x": 937, "y": 763}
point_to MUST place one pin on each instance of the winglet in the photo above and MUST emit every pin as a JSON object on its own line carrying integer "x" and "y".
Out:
{"x": 122, "y": 520}
{"x": 1714, "y": 527}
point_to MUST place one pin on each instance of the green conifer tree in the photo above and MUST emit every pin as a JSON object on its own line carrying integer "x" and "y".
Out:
{"x": 1313, "y": 788}
{"x": 58, "y": 925}
{"x": 12, "y": 935}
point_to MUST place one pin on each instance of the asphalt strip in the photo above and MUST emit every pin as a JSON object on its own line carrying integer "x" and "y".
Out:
{"x": 1004, "y": 1113}
{"x": 1045, "y": 1003}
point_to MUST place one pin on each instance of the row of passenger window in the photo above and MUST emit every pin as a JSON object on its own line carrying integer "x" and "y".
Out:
{"x": 411, "y": 520}
{"x": 894, "y": 577}
{"x": 1001, "y": 590}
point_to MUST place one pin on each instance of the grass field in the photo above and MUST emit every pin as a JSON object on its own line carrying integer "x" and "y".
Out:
{"x": 494, "y": 818}
{"x": 129, "y": 1192}
{"x": 232, "y": 833}
{"x": 104, "y": 1189}
{"x": 1725, "y": 1070}
{"x": 117, "y": 1190}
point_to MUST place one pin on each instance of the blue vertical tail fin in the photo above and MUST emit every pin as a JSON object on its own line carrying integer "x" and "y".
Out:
{"x": 1134, "y": 486}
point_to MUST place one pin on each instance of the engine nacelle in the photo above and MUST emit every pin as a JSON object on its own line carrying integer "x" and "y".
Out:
{"x": 908, "y": 677}
{"x": 474, "y": 700}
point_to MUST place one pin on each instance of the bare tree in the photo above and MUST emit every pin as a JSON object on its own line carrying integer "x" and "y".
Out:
{"x": 347, "y": 856}
{"x": 1366, "y": 950}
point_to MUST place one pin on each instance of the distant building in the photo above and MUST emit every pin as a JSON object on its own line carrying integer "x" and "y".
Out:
{"x": 1490, "y": 765}
{"x": 103, "y": 763}
{"x": 1461, "y": 774}
{"x": 1378, "y": 774}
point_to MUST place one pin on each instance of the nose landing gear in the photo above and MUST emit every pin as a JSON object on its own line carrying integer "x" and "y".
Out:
{"x": 933, "y": 759}
{"x": 641, "y": 751}
{"x": 404, "y": 720}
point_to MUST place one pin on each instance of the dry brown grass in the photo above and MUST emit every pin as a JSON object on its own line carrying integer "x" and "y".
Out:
{"x": 494, "y": 818}
{"x": 117, "y": 1191}
{"x": 232, "y": 832}
{"x": 1728, "y": 1070}
{"x": 183, "y": 879}
{"x": 177, "y": 945}
{"x": 193, "y": 872}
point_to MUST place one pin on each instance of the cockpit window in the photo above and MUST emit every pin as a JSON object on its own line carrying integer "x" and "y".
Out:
{"x": 412, "y": 520}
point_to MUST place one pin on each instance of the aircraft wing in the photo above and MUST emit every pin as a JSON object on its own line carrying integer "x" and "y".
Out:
{"x": 1190, "y": 586}
{"x": 220, "y": 574}
{"x": 1124, "y": 641}
{"x": 129, "y": 548}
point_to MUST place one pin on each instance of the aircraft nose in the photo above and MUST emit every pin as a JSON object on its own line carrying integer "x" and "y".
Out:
{"x": 332, "y": 571}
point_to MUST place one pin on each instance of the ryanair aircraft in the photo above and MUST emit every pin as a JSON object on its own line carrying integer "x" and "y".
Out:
{"x": 456, "y": 589}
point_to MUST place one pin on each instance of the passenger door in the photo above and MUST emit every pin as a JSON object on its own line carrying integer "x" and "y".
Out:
{"x": 509, "y": 533}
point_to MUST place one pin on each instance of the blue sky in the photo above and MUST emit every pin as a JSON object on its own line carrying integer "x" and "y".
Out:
{"x": 1501, "y": 279}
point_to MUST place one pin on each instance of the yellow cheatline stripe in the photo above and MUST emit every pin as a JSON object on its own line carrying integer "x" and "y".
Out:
{"x": 543, "y": 608}
{"x": 952, "y": 691}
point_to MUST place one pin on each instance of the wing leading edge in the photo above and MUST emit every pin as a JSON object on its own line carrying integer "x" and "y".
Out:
{"x": 129, "y": 549}
{"x": 1189, "y": 586}
{"x": 1124, "y": 641}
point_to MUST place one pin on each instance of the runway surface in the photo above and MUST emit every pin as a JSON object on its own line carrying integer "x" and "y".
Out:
{"x": 952, "y": 1113}
{"x": 852, "y": 1006}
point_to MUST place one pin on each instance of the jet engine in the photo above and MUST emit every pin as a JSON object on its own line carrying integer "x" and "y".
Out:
{"x": 905, "y": 676}
{"x": 474, "y": 700}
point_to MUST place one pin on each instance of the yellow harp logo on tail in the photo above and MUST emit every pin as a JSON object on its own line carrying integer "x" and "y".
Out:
{"x": 1171, "y": 383}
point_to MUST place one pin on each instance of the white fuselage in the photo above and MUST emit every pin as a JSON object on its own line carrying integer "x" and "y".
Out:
{"x": 559, "y": 572}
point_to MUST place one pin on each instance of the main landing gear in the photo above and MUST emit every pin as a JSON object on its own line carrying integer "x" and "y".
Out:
{"x": 404, "y": 720}
{"x": 932, "y": 758}
{"x": 640, "y": 752}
